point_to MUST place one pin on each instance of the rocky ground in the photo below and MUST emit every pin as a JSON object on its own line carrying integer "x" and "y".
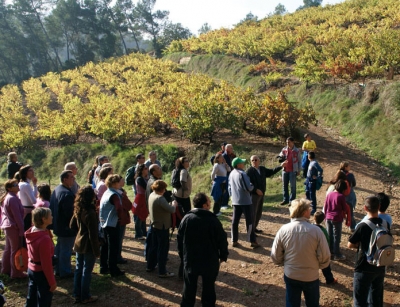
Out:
{"x": 249, "y": 278}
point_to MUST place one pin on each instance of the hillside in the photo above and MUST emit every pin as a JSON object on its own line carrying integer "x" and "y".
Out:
{"x": 342, "y": 60}
{"x": 357, "y": 38}
{"x": 129, "y": 99}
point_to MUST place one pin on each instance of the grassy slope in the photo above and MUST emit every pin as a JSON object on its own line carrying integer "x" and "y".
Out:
{"x": 368, "y": 116}
{"x": 221, "y": 67}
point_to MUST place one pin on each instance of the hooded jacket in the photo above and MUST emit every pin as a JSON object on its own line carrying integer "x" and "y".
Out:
{"x": 40, "y": 252}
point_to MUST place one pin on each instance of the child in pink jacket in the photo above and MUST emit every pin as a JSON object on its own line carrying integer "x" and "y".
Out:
{"x": 42, "y": 282}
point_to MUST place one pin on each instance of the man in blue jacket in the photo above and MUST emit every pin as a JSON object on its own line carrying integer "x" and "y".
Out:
{"x": 240, "y": 187}
{"x": 62, "y": 208}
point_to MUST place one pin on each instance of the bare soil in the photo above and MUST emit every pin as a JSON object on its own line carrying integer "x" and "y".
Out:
{"x": 249, "y": 278}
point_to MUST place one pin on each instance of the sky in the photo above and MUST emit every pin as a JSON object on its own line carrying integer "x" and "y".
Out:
{"x": 222, "y": 13}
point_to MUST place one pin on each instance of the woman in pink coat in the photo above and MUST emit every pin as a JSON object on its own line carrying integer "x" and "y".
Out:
{"x": 12, "y": 223}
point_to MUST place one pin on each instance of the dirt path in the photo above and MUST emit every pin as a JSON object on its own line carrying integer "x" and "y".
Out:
{"x": 249, "y": 278}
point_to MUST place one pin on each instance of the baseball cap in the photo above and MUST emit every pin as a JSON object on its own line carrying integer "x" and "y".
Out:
{"x": 237, "y": 161}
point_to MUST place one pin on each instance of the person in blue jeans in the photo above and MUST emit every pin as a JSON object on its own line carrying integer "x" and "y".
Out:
{"x": 62, "y": 208}
{"x": 86, "y": 246}
{"x": 301, "y": 248}
{"x": 368, "y": 280}
{"x": 314, "y": 170}
{"x": 291, "y": 170}
{"x": 160, "y": 221}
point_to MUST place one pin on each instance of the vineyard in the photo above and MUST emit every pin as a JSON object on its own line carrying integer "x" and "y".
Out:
{"x": 354, "y": 39}
{"x": 133, "y": 97}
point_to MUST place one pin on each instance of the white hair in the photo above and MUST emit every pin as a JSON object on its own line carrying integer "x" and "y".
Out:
{"x": 70, "y": 166}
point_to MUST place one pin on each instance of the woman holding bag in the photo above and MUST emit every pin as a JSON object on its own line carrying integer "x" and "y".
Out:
{"x": 12, "y": 223}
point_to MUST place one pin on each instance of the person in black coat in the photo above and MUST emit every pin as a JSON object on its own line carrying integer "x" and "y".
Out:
{"x": 202, "y": 245}
{"x": 258, "y": 175}
{"x": 13, "y": 165}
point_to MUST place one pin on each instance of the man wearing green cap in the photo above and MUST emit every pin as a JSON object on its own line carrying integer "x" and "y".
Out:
{"x": 240, "y": 187}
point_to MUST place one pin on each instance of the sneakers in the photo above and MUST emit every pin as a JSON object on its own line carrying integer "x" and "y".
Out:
{"x": 284, "y": 203}
{"x": 339, "y": 258}
{"x": 90, "y": 300}
{"x": 166, "y": 275}
{"x": 254, "y": 245}
{"x": 224, "y": 208}
{"x": 218, "y": 214}
{"x": 335, "y": 281}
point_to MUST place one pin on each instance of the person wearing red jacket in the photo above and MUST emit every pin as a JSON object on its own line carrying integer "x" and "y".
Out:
{"x": 42, "y": 282}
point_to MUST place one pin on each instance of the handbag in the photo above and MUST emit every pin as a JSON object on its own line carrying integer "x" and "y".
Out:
{"x": 21, "y": 259}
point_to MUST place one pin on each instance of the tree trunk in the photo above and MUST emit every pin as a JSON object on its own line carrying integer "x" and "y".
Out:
{"x": 47, "y": 37}
{"x": 390, "y": 73}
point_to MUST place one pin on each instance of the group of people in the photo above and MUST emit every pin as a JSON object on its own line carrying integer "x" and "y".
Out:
{"x": 92, "y": 221}
{"x": 303, "y": 255}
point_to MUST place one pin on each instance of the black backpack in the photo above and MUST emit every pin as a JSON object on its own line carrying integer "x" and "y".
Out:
{"x": 176, "y": 178}
{"x": 130, "y": 175}
{"x": 91, "y": 175}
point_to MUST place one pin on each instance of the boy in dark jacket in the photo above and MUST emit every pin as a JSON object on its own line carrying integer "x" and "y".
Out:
{"x": 202, "y": 245}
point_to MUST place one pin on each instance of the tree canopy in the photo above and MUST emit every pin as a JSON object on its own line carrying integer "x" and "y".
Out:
{"x": 39, "y": 36}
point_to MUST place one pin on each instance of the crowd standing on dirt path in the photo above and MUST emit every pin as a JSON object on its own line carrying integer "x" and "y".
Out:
{"x": 92, "y": 221}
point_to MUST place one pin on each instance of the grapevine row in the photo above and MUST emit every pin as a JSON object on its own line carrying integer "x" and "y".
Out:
{"x": 136, "y": 97}
{"x": 357, "y": 38}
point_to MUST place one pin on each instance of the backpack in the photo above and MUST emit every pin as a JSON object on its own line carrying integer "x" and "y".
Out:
{"x": 91, "y": 175}
{"x": 212, "y": 159}
{"x": 130, "y": 175}
{"x": 176, "y": 178}
{"x": 318, "y": 182}
{"x": 381, "y": 251}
